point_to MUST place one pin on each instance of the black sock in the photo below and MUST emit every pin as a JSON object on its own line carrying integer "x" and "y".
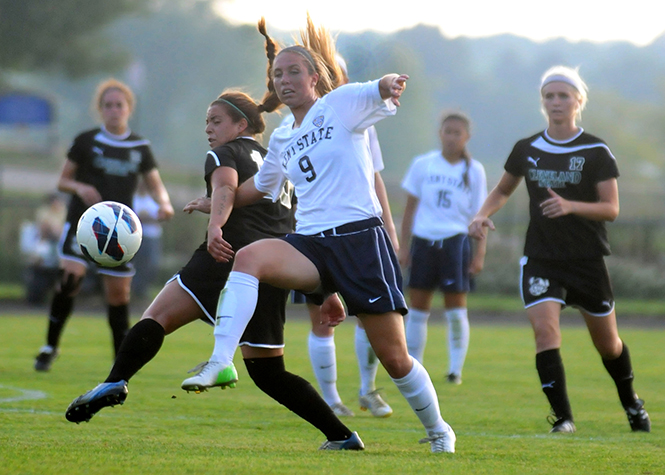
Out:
{"x": 140, "y": 346}
{"x": 296, "y": 394}
{"x": 621, "y": 371}
{"x": 553, "y": 380}
{"x": 118, "y": 317}
{"x": 61, "y": 309}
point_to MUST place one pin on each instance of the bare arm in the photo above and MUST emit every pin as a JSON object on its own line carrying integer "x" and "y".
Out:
{"x": 407, "y": 227}
{"x": 493, "y": 203}
{"x": 157, "y": 190}
{"x": 391, "y": 86}
{"x": 224, "y": 182}
{"x": 387, "y": 216}
{"x": 67, "y": 183}
{"x": 478, "y": 262}
{"x": 605, "y": 209}
{"x": 247, "y": 194}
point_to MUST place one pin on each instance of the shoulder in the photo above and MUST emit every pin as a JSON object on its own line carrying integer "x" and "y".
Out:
{"x": 87, "y": 135}
{"x": 136, "y": 138}
{"x": 527, "y": 141}
{"x": 426, "y": 157}
{"x": 591, "y": 141}
{"x": 237, "y": 149}
{"x": 476, "y": 165}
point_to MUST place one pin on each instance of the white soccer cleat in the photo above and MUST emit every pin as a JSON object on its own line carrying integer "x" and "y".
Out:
{"x": 341, "y": 410}
{"x": 441, "y": 442}
{"x": 376, "y": 405}
{"x": 211, "y": 374}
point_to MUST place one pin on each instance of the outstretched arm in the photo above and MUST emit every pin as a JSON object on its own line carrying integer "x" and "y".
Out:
{"x": 391, "y": 86}
{"x": 493, "y": 203}
{"x": 247, "y": 194}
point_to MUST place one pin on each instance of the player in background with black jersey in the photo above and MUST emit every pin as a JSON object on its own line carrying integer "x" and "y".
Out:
{"x": 232, "y": 122}
{"x": 571, "y": 178}
{"x": 103, "y": 164}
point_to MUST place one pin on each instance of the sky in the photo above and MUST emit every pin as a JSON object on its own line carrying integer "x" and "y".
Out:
{"x": 636, "y": 21}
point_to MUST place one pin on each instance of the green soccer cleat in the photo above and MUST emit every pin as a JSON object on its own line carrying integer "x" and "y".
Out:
{"x": 211, "y": 374}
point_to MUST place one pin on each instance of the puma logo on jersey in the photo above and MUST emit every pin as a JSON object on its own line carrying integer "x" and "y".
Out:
{"x": 533, "y": 160}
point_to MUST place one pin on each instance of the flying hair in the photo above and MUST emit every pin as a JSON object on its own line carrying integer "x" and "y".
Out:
{"x": 270, "y": 101}
{"x": 318, "y": 50}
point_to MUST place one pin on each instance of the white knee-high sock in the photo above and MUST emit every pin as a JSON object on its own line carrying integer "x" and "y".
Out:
{"x": 235, "y": 308}
{"x": 458, "y": 338}
{"x": 416, "y": 332}
{"x": 367, "y": 362}
{"x": 324, "y": 364}
{"x": 419, "y": 391}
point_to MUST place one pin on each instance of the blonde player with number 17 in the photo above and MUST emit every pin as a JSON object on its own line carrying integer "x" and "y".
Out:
{"x": 571, "y": 177}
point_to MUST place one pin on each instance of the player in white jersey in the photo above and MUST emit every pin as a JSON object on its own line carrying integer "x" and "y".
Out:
{"x": 321, "y": 341}
{"x": 571, "y": 177}
{"x": 445, "y": 189}
{"x": 340, "y": 244}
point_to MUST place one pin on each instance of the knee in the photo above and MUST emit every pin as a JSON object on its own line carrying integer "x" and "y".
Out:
{"x": 396, "y": 365}
{"x": 265, "y": 371}
{"x": 246, "y": 260}
{"x": 70, "y": 284}
{"x": 609, "y": 349}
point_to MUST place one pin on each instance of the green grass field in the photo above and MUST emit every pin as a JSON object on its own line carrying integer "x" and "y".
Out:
{"x": 498, "y": 412}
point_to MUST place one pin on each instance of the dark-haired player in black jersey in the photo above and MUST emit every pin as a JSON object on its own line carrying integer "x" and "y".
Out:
{"x": 232, "y": 122}
{"x": 103, "y": 164}
{"x": 571, "y": 177}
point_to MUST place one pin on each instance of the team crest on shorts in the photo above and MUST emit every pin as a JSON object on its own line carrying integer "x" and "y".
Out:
{"x": 538, "y": 286}
{"x": 318, "y": 121}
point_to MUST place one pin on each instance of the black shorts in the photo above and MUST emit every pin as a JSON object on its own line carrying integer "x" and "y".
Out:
{"x": 203, "y": 279}
{"x": 580, "y": 283}
{"x": 358, "y": 261}
{"x": 69, "y": 249}
{"x": 442, "y": 264}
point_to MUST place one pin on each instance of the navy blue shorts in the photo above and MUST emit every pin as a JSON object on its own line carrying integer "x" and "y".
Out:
{"x": 358, "y": 261}
{"x": 442, "y": 264}
{"x": 69, "y": 249}
{"x": 203, "y": 279}
{"x": 580, "y": 283}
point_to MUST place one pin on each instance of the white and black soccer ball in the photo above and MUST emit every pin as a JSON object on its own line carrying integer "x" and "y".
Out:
{"x": 109, "y": 233}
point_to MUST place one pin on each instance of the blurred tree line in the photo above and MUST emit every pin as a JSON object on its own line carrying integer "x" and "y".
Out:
{"x": 178, "y": 55}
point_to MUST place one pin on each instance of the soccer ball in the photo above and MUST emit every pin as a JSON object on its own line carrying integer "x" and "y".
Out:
{"x": 109, "y": 233}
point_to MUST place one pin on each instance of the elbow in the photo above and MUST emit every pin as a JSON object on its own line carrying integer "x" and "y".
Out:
{"x": 613, "y": 213}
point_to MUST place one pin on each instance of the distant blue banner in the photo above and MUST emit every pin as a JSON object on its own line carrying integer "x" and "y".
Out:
{"x": 25, "y": 109}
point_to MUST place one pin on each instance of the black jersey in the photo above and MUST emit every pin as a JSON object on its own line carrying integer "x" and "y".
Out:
{"x": 263, "y": 219}
{"x": 110, "y": 163}
{"x": 571, "y": 169}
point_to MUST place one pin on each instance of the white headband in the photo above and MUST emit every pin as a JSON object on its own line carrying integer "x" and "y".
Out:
{"x": 561, "y": 78}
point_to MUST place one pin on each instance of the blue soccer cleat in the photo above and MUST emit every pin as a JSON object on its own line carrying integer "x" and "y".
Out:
{"x": 103, "y": 395}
